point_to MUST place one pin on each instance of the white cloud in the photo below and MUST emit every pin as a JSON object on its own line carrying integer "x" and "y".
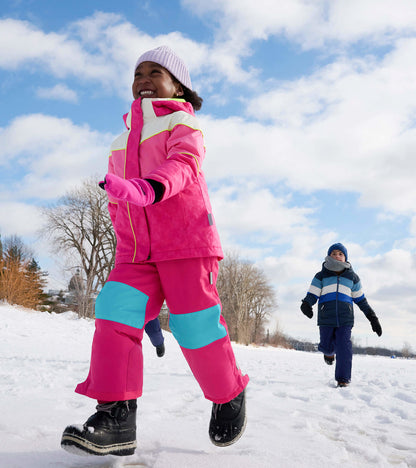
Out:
{"x": 237, "y": 148}
{"x": 250, "y": 209}
{"x": 52, "y": 155}
{"x": 392, "y": 271}
{"x": 59, "y": 92}
{"x": 388, "y": 280}
{"x": 348, "y": 127}
{"x": 353, "y": 20}
{"x": 22, "y": 43}
{"x": 103, "y": 48}
{"x": 18, "y": 218}
{"x": 245, "y": 21}
{"x": 77, "y": 51}
{"x": 310, "y": 24}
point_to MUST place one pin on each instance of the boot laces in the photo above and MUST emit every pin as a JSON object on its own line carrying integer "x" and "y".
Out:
{"x": 217, "y": 407}
{"x": 114, "y": 409}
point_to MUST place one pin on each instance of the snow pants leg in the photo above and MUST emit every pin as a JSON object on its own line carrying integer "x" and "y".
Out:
{"x": 337, "y": 340}
{"x": 132, "y": 296}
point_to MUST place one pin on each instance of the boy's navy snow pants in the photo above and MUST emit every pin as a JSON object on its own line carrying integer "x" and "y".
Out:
{"x": 337, "y": 340}
{"x": 154, "y": 332}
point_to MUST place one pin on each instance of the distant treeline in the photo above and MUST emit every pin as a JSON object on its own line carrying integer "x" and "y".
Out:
{"x": 378, "y": 351}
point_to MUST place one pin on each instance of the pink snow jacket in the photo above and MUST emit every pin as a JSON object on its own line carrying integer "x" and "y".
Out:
{"x": 164, "y": 143}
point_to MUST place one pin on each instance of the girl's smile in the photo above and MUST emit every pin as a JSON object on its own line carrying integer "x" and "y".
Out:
{"x": 146, "y": 93}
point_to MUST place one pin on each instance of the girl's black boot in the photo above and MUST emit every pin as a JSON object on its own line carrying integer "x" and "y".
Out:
{"x": 110, "y": 431}
{"x": 228, "y": 421}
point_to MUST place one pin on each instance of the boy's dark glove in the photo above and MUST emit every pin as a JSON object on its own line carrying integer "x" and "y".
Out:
{"x": 306, "y": 308}
{"x": 375, "y": 325}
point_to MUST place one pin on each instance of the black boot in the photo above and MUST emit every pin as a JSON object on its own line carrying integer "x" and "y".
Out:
{"x": 228, "y": 421}
{"x": 343, "y": 383}
{"x": 111, "y": 430}
{"x": 329, "y": 359}
{"x": 160, "y": 350}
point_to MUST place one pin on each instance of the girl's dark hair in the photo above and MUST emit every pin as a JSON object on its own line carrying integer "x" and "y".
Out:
{"x": 192, "y": 97}
{"x": 189, "y": 95}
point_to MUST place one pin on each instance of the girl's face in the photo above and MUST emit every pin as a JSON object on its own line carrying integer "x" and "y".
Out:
{"x": 151, "y": 80}
{"x": 338, "y": 255}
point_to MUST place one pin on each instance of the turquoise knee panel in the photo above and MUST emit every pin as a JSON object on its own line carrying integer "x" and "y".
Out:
{"x": 197, "y": 329}
{"x": 121, "y": 303}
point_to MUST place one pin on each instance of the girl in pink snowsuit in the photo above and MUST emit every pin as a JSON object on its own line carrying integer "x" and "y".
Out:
{"x": 168, "y": 248}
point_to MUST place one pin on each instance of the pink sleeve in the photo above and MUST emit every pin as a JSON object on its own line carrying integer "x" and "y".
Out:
{"x": 186, "y": 152}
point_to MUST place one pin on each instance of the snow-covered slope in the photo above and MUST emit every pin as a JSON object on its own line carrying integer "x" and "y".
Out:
{"x": 296, "y": 418}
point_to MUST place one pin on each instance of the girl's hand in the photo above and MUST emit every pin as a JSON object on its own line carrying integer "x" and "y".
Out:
{"x": 136, "y": 191}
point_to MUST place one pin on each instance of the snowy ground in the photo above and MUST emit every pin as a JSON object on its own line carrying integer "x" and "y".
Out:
{"x": 296, "y": 418}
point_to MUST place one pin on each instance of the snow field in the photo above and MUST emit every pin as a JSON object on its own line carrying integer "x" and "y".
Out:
{"x": 296, "y": 416}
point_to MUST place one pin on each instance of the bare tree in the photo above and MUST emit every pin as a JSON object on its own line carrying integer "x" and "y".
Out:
{"x": 247, "y": 298}
{"x": 277, "y": 338}
{"x": 260, "y": 301}
{"x": 406, "y": 350}
{"x": 79, "y": 224}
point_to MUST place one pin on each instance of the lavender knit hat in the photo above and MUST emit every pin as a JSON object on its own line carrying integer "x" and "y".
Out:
{"x": 166, "y": 57}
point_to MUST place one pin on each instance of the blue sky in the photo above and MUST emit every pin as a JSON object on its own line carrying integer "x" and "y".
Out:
{"x": 308, "y": 116}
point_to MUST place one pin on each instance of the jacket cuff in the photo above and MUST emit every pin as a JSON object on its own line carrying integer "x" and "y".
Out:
{"x": 310, "y": 299}
{"x": 365, "y": 307}
{"x": 158, "y": 188}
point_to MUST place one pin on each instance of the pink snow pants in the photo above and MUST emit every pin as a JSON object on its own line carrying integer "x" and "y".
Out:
{"x": 132, "y": 296}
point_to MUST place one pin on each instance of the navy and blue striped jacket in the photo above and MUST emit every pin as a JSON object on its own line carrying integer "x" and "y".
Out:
{"x": 335, "y": 295}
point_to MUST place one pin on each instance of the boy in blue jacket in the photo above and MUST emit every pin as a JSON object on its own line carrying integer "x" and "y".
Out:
{"x": 336, "y": 287}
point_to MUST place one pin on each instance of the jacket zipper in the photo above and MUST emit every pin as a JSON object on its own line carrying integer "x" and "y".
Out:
{"x": 148, "y": 232}
{"x": 336, "y": 302}
{"x": 144, "y": 209}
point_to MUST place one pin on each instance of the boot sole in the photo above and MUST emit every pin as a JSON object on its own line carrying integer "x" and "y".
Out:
{"x": 74, "y": 444}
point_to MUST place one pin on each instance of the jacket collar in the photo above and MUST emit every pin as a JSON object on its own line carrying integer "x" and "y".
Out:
{"x": 156, "y": 107}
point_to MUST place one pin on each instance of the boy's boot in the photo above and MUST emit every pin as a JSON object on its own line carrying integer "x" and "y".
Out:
{"x": 160, "y": 350}
{"x": 228, "y": 421}
{"x": 111, "y": 430}
{"x": 342, "y": 383}
{"x": 329, "y": 359}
